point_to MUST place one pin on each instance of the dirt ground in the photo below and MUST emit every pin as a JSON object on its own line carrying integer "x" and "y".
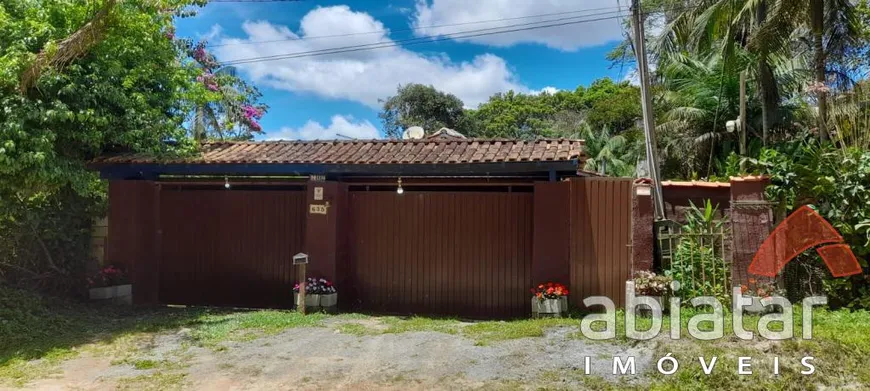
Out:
{"x": 325, "y": 358}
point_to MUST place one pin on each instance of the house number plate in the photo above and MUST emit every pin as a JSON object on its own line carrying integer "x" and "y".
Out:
{"x": 317, "y": 209}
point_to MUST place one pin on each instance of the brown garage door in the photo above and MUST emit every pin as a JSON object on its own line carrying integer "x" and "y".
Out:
{"x": 457, "y": 253}
{"x": 230, "y": 248}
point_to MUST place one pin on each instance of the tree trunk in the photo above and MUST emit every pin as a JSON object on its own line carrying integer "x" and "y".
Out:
{"x": 767, "y": 89}
{"x": 769, "y": 95}
{"x": 817, "y": 12}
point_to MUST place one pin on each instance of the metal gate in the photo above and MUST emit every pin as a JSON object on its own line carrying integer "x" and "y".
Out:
{"x": 600, "y": 238}
{"x": 457, "y": 253}
{"x": 230, "y": 248}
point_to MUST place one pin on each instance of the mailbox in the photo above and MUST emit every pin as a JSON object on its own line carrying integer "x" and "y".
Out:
{"x": 300, "y": 259}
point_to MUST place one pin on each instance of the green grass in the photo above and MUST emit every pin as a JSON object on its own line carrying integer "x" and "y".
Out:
{"x": 154, "y": 381}
{"x": 214, "y": 329}
{"x": 40, "y": 333}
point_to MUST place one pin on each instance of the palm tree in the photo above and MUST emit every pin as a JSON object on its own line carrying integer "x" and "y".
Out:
{"x": 612, "y": 153}
{"x": 770, "y": 32}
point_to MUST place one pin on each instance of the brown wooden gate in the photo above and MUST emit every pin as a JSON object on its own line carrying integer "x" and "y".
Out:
{"x": 230, "y": 248}
{"x": 457, "y": 253}
{"x": 600, "y": 238}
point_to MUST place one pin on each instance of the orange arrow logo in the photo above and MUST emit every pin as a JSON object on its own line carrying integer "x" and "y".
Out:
{"x": 800, "y": 231}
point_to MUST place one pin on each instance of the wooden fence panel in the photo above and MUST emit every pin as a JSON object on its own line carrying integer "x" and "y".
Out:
{"x": 600, "y": 215}
{"x": 456, "y": 253}
{"x": 230, "y": 248}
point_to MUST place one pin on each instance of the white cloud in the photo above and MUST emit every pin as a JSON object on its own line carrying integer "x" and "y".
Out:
{"x": 339, "y": 125}
{"x": 213, "y": 33}
{"x": 548, "y": 89}
{"x": 362, "y": 76}
{"x": 567, "y": 37}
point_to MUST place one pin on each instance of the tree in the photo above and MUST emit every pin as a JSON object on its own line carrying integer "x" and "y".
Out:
{"x": 515, "y": 115}
{"x": 616, "y": 154}
{"x": 771, "y": 34}
{"x": 603, "y": 104}
{"x": 77, "y": 80}
{"x": 420, "y": 105}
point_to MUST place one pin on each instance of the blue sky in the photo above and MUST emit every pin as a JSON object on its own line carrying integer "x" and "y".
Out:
{"x": 319, "y": 97}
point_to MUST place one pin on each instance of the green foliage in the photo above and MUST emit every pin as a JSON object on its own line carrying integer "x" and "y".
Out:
{"x": 604, "y": 104}
{"x": 698, "y": 262}
{"x": 618, "y": 154}
{"x": 420, "y": 105}
{"x": 835, "y": 182}
{"x": 129, "y": 88}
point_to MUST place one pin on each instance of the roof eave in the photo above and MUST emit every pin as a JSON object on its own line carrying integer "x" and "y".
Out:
{"x": 155, "y": 170}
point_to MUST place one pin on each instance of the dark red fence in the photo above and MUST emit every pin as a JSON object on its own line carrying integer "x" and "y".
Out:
{"x": 231, "y": 248}
{"x": 458, "y": 253}
{"x": 446, "y": 250}
{"x": 600, "y": 238}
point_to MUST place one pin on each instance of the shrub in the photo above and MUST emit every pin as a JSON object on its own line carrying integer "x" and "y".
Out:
{"x": 651, "y": 284}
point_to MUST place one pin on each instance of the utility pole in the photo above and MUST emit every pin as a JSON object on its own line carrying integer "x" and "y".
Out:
{"x": 646, "y": 104}
{"x": 742, "y": 128}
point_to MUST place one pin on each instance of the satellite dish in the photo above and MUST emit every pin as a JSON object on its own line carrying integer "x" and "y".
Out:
{"x": 413, "y": 133}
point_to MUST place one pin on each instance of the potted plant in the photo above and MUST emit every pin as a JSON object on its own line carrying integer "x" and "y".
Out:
{"x": 549, "y": 299}
{"x": 654, "y": 285}
{"x": 762, "y": 290}
{"x": 110, "y": 283}
{"x": 319, "y": 293}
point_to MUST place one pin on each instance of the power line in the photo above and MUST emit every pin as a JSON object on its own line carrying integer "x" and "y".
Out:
{"x": 413, "y": 41}
{"x": 618, "y": 8}
{"x": 421, "y": 40}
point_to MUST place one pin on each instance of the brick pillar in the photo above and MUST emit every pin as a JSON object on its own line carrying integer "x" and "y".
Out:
{"x": 551, "y": 238}
{"x": 751, "y": 222}
{"x": 642, "y": 219}
{"x": 323, "y": 238}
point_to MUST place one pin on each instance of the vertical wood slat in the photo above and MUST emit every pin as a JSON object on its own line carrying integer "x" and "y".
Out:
{"x": 230, "y": 247}
{"x": 600, "y": 261}
{"x": 456, "y": 253}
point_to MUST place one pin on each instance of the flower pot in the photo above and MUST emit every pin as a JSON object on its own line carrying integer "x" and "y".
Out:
{"x": 121, "y": 293}
{"x": 549, "y": 307}
{"x": 311, "y": 300}
{"x": 330, "y": 300}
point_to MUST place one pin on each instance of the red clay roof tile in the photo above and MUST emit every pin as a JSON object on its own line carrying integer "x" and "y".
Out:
{"x": 426, "y": 151}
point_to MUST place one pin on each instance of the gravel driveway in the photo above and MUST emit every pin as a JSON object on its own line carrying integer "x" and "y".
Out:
{"x": 326, "y": 358}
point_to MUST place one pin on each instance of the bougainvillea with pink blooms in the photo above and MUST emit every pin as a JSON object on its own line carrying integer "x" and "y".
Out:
{"x": 228, "y": 107}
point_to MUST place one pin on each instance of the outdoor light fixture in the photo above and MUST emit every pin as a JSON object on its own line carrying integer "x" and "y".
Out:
{"x": 226, "y": 183}
{"x": 400, "y": 190}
